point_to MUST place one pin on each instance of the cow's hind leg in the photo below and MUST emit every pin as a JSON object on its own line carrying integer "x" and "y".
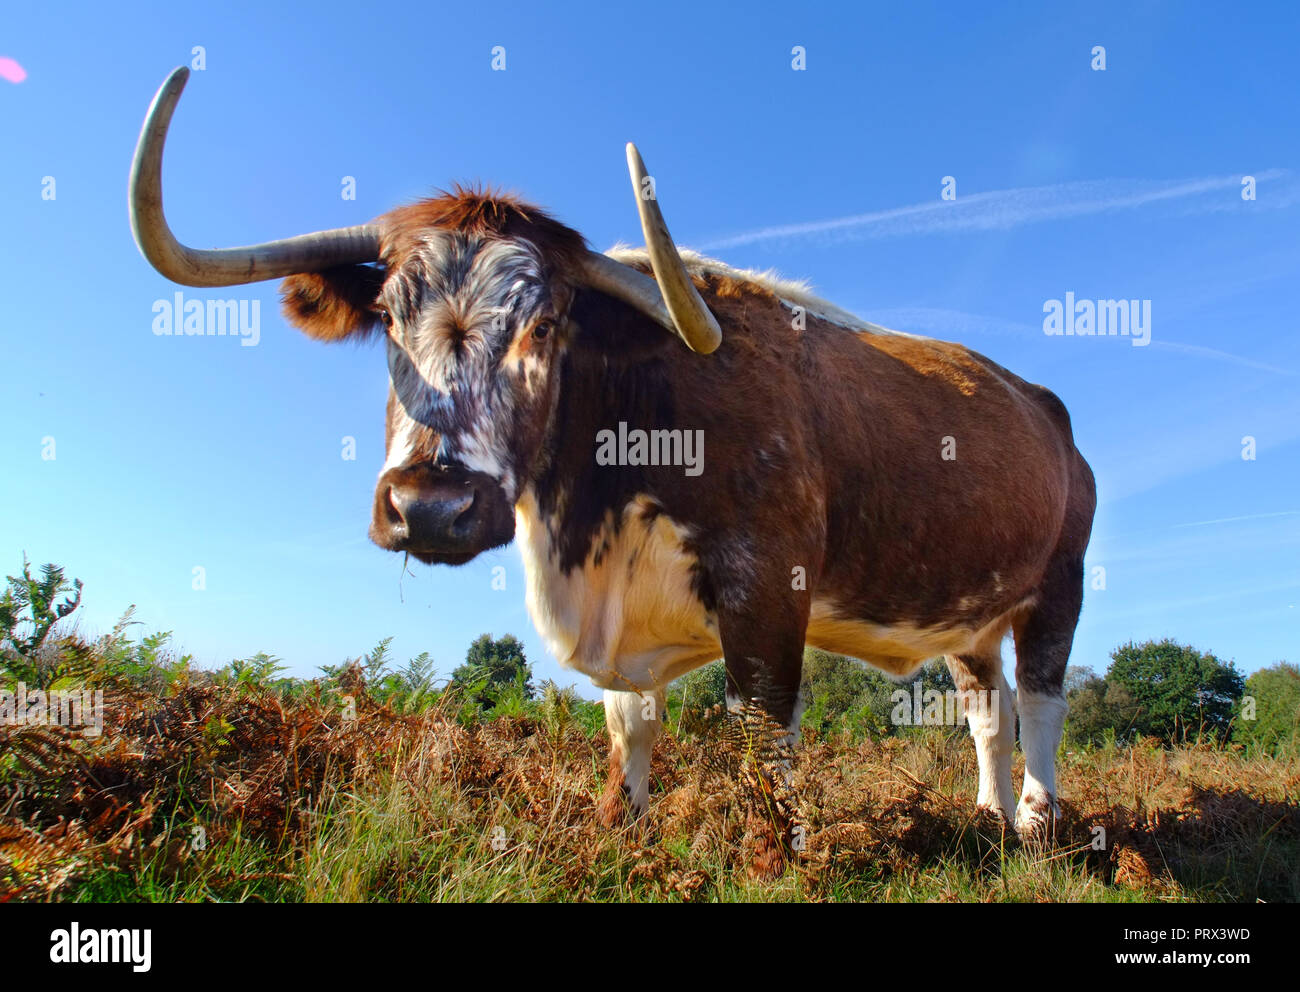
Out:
{"x": 1044, "y": 636}
{"x": 986, "y": 701}
{"x": 634, "y": 721}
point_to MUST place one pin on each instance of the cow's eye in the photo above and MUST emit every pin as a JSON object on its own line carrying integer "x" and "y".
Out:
{"x": 543, "y": 329}
{"x": 385, "y": 317}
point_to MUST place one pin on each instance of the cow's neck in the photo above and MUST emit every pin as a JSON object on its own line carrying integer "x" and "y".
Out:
{"x": 611, "y": 573}
{"x": 582, "y": 498}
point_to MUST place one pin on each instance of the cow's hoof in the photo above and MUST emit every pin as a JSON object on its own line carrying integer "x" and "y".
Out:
{"x": 1036, "y": 820}
{"x": 993, "y": 813}
{"x": 992, "y": 819}
{"x": 614, "y": 809}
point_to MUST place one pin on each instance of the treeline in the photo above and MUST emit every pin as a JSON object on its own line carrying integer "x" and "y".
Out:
{"x": 1177, "y": 694}
{"x": 1156, "y": 689}
{"x": 495, "y": 679}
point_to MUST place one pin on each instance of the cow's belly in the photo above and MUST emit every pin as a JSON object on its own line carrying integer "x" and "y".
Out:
{"x": 901, "y": 649}
{"x": 630, "y": 621}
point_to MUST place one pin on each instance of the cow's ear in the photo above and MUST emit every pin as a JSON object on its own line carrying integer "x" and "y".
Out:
{"x": 333, "y": 304}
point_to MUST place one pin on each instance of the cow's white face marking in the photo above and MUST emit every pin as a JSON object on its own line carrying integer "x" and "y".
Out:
{"x": 460, "y": 368}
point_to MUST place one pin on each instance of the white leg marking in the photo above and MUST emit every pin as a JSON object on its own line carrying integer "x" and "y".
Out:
{"x": 792, "y": 728}
{"x": 634, "y": 721}
{"x": 1041, "y": 721}
{"x": 992, "y": 722}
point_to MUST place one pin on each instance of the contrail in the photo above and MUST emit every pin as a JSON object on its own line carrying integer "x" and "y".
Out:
{"x": 1249, "y": 516}
{"x": 1008, "y": 208}
{"x": 1215, "y": 353}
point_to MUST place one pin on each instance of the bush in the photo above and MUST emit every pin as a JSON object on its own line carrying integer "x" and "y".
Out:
{"x": 1274, "y": 725}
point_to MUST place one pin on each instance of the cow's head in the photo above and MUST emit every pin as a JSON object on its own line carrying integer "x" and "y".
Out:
{"x": 473, "y": 293}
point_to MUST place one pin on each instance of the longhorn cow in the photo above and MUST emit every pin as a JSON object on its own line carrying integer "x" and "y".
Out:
{"x": 881, "y": 495}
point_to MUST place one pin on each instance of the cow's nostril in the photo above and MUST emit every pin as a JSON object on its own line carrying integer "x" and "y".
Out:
{"x": 468, "y": 510}
{"x": 391, "y": 510}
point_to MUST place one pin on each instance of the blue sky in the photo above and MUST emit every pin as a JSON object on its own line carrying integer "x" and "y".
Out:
{"x": 173, "y": 453}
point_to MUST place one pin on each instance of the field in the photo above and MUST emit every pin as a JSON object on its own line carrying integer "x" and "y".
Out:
{"x": 235, "y": 789}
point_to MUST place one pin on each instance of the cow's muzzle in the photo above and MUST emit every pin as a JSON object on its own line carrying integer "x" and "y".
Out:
{"x": 440, "y": 514}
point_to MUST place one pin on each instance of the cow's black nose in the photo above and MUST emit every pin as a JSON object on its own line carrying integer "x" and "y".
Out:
{"x": 440, "y": 513}
{"x": 419, "y": 510}
{"x": 430, "y": 513}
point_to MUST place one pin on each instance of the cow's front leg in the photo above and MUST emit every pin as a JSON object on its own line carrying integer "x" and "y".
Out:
{"x": 986, "y": 703}
{"x": 634, "y": 720}
{"x": 764, "y": 667}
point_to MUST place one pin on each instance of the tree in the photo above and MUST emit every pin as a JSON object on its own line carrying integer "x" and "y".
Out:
{"x": 1076, "y": 678}
{"x": 33, "y": 603}
{"x": 1096, "y": 707}
{"x": 701, "y": 688}
{"x": 844, "y": 693}
{"x": 1178, "y": 690}
{"x": 833, "y": 685}
{"x": 492, "y": 666}
{"x": 1276, "y": 716}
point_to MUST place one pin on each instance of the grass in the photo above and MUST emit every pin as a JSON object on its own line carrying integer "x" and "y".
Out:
{"x": 203, "y": 791}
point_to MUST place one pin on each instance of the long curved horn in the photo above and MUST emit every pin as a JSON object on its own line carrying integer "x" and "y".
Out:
{"x": 223, "y": 266}
{"x": 670, "y": 298}
{"x": 695, "y": 323}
